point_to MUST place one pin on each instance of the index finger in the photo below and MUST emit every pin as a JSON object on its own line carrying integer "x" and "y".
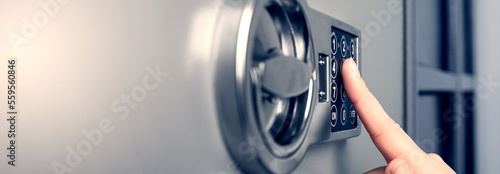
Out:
{"x": 386, "y": 134}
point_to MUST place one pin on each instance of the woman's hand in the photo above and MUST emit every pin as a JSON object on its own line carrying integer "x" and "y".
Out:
{"x": 400, "y": 152}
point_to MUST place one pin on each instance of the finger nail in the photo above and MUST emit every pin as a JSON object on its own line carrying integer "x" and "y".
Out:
{"x": 354, "y": 67}
{"x": 401, "y": 168}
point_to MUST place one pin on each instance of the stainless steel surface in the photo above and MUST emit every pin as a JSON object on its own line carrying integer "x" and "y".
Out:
{"x": 91, "y": 53}
{"x": 320, "y": 31}
{"x": 274, "y": 123}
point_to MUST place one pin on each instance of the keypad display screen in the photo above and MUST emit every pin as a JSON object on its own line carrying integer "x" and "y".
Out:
{"x": 343, "y": 46}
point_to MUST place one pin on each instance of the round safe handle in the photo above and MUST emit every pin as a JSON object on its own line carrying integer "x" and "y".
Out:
{"x": 285, "y": 76}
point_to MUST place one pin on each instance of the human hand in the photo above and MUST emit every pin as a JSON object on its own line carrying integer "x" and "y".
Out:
{"x": 400, "y": 152}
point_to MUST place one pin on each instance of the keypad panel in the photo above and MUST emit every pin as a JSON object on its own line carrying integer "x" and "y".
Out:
{"x": 343, "y": 46}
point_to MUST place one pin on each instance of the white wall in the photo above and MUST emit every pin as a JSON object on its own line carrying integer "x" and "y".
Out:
{"x": 487, "y": 55}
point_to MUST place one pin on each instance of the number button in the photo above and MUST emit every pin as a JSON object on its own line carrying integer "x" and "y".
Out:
{"x": 334, "y": 91}
{"x": 353, "y": 48}
{"x": 343, "y": 46}
{"x": 334, "y": 43}
{"x": 343, "y": 114}
{"x": 334, "y": 68}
